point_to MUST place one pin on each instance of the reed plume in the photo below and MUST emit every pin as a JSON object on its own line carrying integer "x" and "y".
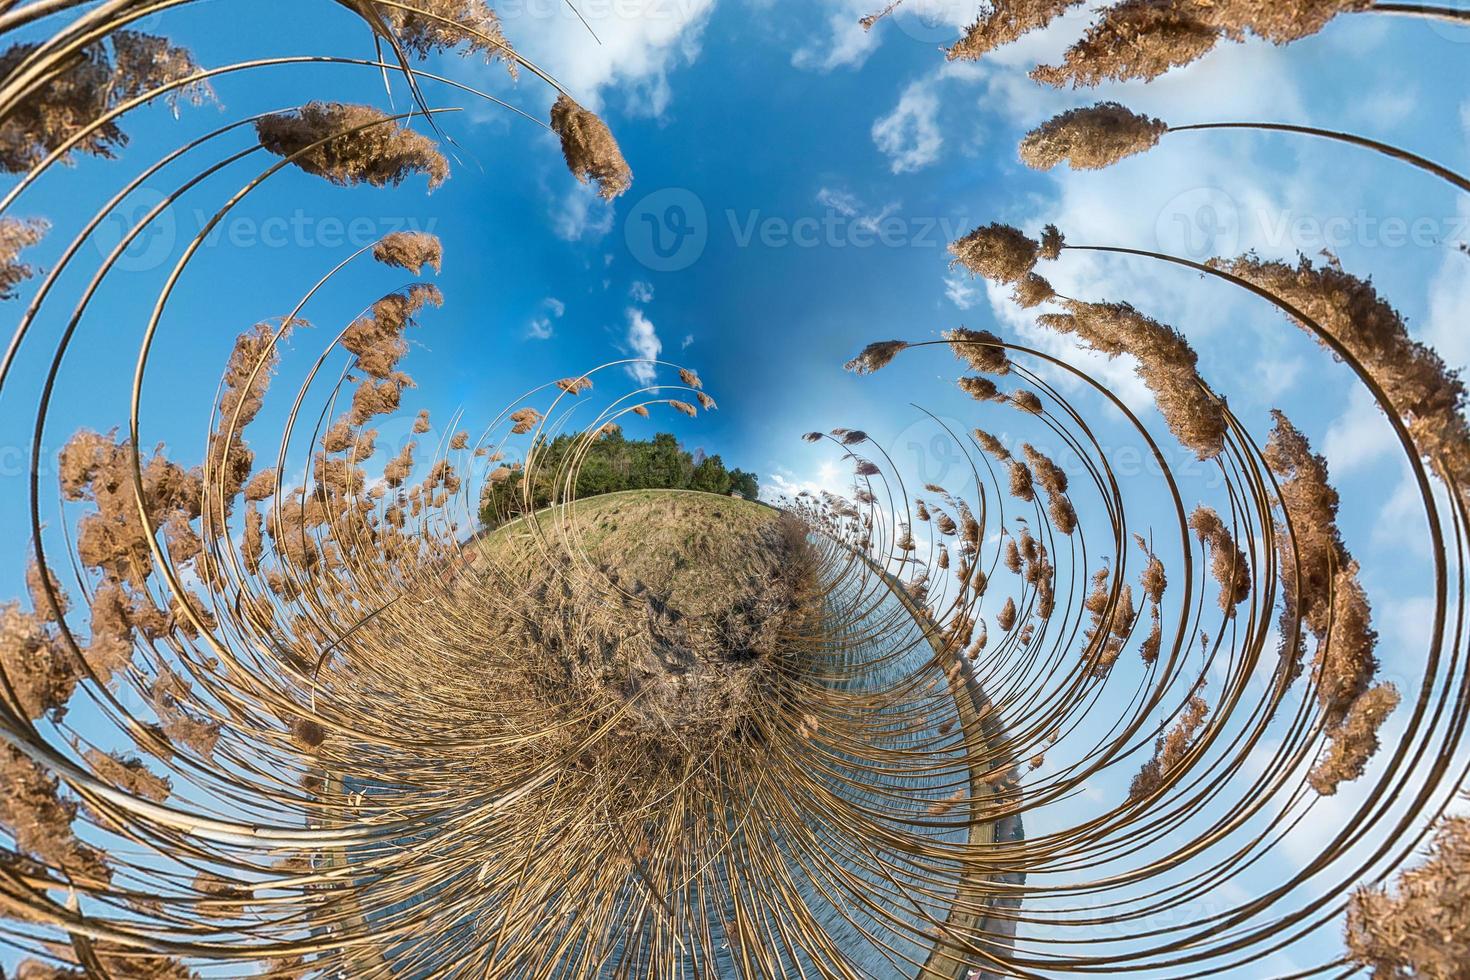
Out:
{"x": 351, "y": 144}
{"x": 1005, "y": 22}
{"x": 1418, "y": 929}
{"x": 997, "y": 252}
{"x": 981, "y": 349}
{"x": 468, "y": 26}
{"x": 590, "y": 150}
{"x": 1428, "y": 396}
{"x": 1228, "y": 563}
{"x": 17, "y": 235}
{"x": 1170, "y": 750}
{"x": 411, "y": 250}
{"x": 84, "y": 86}
{"x": 1166, "y": 364}
{"x": 876, "y": 356}
{"x": 1091, "y": 138}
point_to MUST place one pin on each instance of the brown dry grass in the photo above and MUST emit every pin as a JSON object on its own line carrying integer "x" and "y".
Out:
{"x": 591, "y": 152}
{"x": 352, "y": 144}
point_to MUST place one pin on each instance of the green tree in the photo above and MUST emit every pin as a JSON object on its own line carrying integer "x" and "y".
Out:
{"x": 710, "y": 476}
{"x": 610, "y": 464}
{"x": 745, "y": 484}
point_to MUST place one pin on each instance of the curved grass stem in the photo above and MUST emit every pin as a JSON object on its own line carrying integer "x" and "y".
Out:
{"x": 1397, "y": 153}
{"x": 1422, "y": 10}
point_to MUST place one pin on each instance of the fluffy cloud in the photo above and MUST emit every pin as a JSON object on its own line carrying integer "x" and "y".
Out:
{"x": 845, "y": 44}
{"x": 581, "y": 214}
{"x": 961, "y": 290}
{"x": 783, "y": 483}
{"x": 642, "y": 341}
{"x": 631, "y": 45}
{"x": 849, "y": 205}
{"x": 909, "y": 135}
{"x": 542, "y": 327}
{"x": 842, "y": 202}
{"x": 1359, "y": 437}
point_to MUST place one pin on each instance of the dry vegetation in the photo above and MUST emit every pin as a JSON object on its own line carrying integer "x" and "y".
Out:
{"x": 693, "y": 613}
{"x": 1418, "y": 927}
{"x": 352, "y": 144}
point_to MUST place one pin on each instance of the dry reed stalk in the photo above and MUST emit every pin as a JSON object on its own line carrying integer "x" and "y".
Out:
{"x": 1091, "y": 138}
{"x": 351, "y": 144}
{"x": 590, "y": 150}
{"x": 1170, "y": 750}
{"x": 16, "y": 235}
{"x": 1166, "y": 364}
{"x": 411, "y": 250}
{"x": 1005, "y": 22}
{"x": 1419, "y": 929}
{"x": 468, "y": 26}
{"x": 876, "y": 356}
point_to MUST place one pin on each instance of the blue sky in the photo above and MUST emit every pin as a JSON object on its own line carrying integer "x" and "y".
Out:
{"x": 818, "y": 173}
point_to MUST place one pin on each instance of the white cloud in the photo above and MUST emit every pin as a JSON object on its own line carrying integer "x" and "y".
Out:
{"x": 688, "y": 339}
{"x": 1275, "y": 376}
{"x": 1360, "y": 436}
{"x": 909, "y": 135}
{"x": 848, "y": 205}
{"x": 784, "y": 485}
{"x": 641, "y": 292}
{"x": 960, "y": 288}
{"x": 1402, "y": 524}
{"x": 843, "y": 202}
{"x": 1390, "y": 104}
{"x": 581, "y": 214}
{"x": 871, "y": 223}
{"x": 846, "y": 45}
{"x": 542, "y": 326}
{"x": 643, "y": 342}
{"x": 632, "y": 45}
{"x": 830, "y": 477}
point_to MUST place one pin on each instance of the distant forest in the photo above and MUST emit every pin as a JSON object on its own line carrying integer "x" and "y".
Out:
{"x": 614, "y": 463}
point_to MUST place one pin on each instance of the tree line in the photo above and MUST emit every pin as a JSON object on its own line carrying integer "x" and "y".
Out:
{"x": 611, "y": 464}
